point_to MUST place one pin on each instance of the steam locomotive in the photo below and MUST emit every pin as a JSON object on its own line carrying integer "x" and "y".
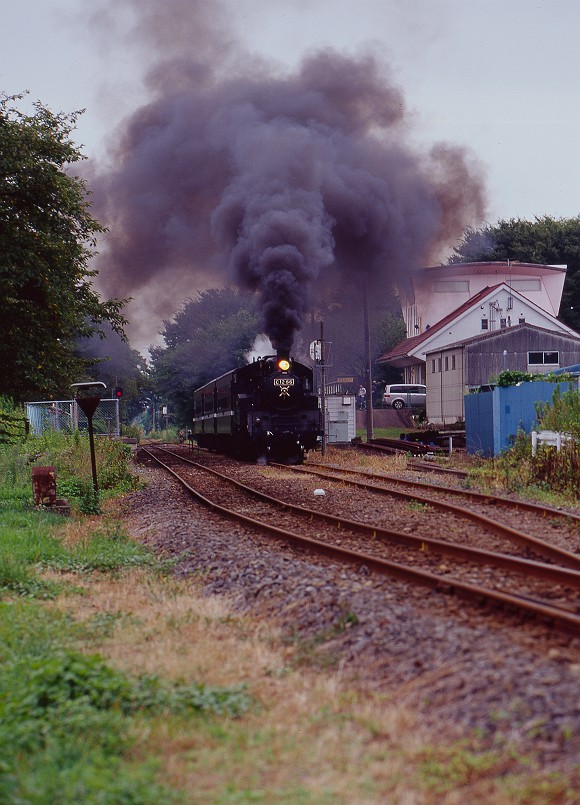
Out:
{"x": 265, "y": 410}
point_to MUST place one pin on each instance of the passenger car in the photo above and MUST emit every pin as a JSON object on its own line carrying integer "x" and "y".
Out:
{"x": 405, "y": 395}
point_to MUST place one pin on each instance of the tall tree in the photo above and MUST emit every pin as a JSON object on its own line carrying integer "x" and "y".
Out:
{"x": 209, "y": 336}
{"x": 553, "y": 241}
{"x": 118, "y": 365}
{"x": 47, "y": 237}
{"x": 343, "y": 319}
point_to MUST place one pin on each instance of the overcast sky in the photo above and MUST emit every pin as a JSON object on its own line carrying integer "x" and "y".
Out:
{"x": 500, "y": 77}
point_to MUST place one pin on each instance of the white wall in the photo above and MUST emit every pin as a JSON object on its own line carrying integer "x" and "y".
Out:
{"x": 468, "y": 324}
{"x": 439, "y": 291}
{"x": 445, "y": 387}
{"x": 340, "y": 418}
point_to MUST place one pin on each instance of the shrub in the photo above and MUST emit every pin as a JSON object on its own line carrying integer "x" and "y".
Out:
{"x": 132, "y": 431}
{"x": 13, "y": 422}
{"x": 563, "y": 414}
{"x": 558, "y": 470}
{"x": 511, "y": 377}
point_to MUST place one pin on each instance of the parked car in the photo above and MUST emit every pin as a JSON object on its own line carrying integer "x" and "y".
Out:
{"x": 405, "y": 395}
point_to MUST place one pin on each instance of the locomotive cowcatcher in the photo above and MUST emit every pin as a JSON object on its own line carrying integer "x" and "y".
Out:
{"x": 266, "y": 410}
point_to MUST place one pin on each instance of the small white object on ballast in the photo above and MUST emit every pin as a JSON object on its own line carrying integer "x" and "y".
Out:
{"x": 319, "y": 492}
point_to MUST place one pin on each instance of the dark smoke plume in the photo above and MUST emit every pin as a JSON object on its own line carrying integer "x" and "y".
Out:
{"x": 279, "y": 183}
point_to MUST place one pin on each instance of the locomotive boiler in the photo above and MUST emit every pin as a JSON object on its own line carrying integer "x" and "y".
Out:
{"x": 266, "y": 410}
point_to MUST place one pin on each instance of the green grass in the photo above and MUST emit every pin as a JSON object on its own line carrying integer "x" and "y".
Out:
{"x": 70, "y": 455}
{"x": 69, "y": 723}
{"x": 68, "y": 720}
{"x": 29, "y": 543}
{"x": 383, "y": 433}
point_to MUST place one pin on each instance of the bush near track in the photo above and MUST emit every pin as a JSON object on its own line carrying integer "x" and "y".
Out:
{"x": 551, "y": 474}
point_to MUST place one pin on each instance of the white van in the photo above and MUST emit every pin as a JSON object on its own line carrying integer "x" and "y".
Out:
{"x": 405, "y": 395}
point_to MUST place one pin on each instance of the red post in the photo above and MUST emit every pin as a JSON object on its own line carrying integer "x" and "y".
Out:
{"x": 44, "y": 486}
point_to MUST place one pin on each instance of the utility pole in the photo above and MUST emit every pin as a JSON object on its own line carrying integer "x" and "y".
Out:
{"x": 368, "y": 369}
{"x": 323, "y": 389}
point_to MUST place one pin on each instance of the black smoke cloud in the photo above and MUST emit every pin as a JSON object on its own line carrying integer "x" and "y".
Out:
{"x": 280, "y": 183}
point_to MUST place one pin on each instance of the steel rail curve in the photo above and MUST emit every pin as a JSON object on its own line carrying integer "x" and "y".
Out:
{"x": 533, "y": 543}
{"x": 423, "y": 466}
{"x": 561, "y": 575}
{"x": 560, "y": 617}
{"x": 524, "y": 505}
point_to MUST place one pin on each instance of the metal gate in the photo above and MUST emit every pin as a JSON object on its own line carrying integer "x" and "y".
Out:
{"x": 65, "y": 415}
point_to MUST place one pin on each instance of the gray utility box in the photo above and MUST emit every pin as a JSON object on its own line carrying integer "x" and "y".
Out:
{"x": 340, "y": 418}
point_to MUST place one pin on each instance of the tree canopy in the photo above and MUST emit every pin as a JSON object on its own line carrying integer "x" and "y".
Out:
{"x": 215, "y": 330}
{"x": 552, "y": 241}
{"x": 47, "y": 236}
{"x": 118, "y": 365}
{"x": 209, "y": 336}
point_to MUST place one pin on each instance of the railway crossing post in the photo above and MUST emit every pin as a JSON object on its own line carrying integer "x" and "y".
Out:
{"x": 88, "y": 399}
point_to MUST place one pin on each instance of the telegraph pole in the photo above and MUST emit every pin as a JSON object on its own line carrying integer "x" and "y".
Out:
{"x": 323, "y": 389}
{"x": 368, "y": 368}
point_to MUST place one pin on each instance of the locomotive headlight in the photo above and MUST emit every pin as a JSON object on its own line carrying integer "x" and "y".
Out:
{"x": 283, "y": 365}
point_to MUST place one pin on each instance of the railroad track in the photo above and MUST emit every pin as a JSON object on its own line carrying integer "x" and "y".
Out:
{"x": 521, "y": 505}
{"x": 548, "y": 592}
{"x": 395, "y": 447}
{"x": 431, "y": 495}
{"x": 432, "y": 467}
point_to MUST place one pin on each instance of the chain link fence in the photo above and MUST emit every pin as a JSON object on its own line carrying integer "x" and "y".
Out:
{"x": 66, "y": 415}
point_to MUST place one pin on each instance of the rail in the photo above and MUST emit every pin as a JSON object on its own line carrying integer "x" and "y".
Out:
{"x": 560, "y": 617}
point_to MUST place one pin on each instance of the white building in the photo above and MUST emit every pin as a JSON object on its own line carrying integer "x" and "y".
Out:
{"x": 447, "y": 305}
{"x": 429, "y": 294}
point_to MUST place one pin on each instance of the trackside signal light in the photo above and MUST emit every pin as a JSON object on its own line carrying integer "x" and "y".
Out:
{"x": 118, "y": 392}
{"x": 283, "y": 365}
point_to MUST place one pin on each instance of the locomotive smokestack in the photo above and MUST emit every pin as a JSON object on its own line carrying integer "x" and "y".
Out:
{"x": 283, "y": 359}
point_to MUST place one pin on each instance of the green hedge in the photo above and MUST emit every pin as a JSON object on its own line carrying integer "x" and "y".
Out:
{"x": 14, "y": 426}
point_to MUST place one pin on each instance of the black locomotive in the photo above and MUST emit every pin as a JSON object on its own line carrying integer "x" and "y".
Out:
{"x": 265, "y": 410}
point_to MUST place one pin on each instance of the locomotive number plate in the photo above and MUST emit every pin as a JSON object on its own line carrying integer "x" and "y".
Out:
{"x": 284, "y": 384}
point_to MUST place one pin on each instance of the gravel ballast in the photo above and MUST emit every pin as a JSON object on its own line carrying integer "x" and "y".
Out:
{"x": 462, "y": 670}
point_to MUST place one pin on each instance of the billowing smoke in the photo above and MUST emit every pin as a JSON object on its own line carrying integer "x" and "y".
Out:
{"x": 280, "y": 183}
{"x": 262, "y": 346}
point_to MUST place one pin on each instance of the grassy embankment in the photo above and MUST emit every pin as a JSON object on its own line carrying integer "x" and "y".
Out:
{"x": 120, "y": 684}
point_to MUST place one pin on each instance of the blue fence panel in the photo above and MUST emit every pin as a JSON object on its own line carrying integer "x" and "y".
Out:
{"x": 479, "y": 423}
{"x": 493, "y": 418}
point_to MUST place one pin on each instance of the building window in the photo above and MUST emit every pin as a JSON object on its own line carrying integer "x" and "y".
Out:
{"x": 526, "y": 285}
{"x": 484, "y": 324}
{"x": 543, "y": 358}
{"x": 433, "y": 366}
{"x": 451, "y": 286}
{"x": 453, "y": 361}
{"x": 438, "y": 364}
{"x": 446, "y": 363}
